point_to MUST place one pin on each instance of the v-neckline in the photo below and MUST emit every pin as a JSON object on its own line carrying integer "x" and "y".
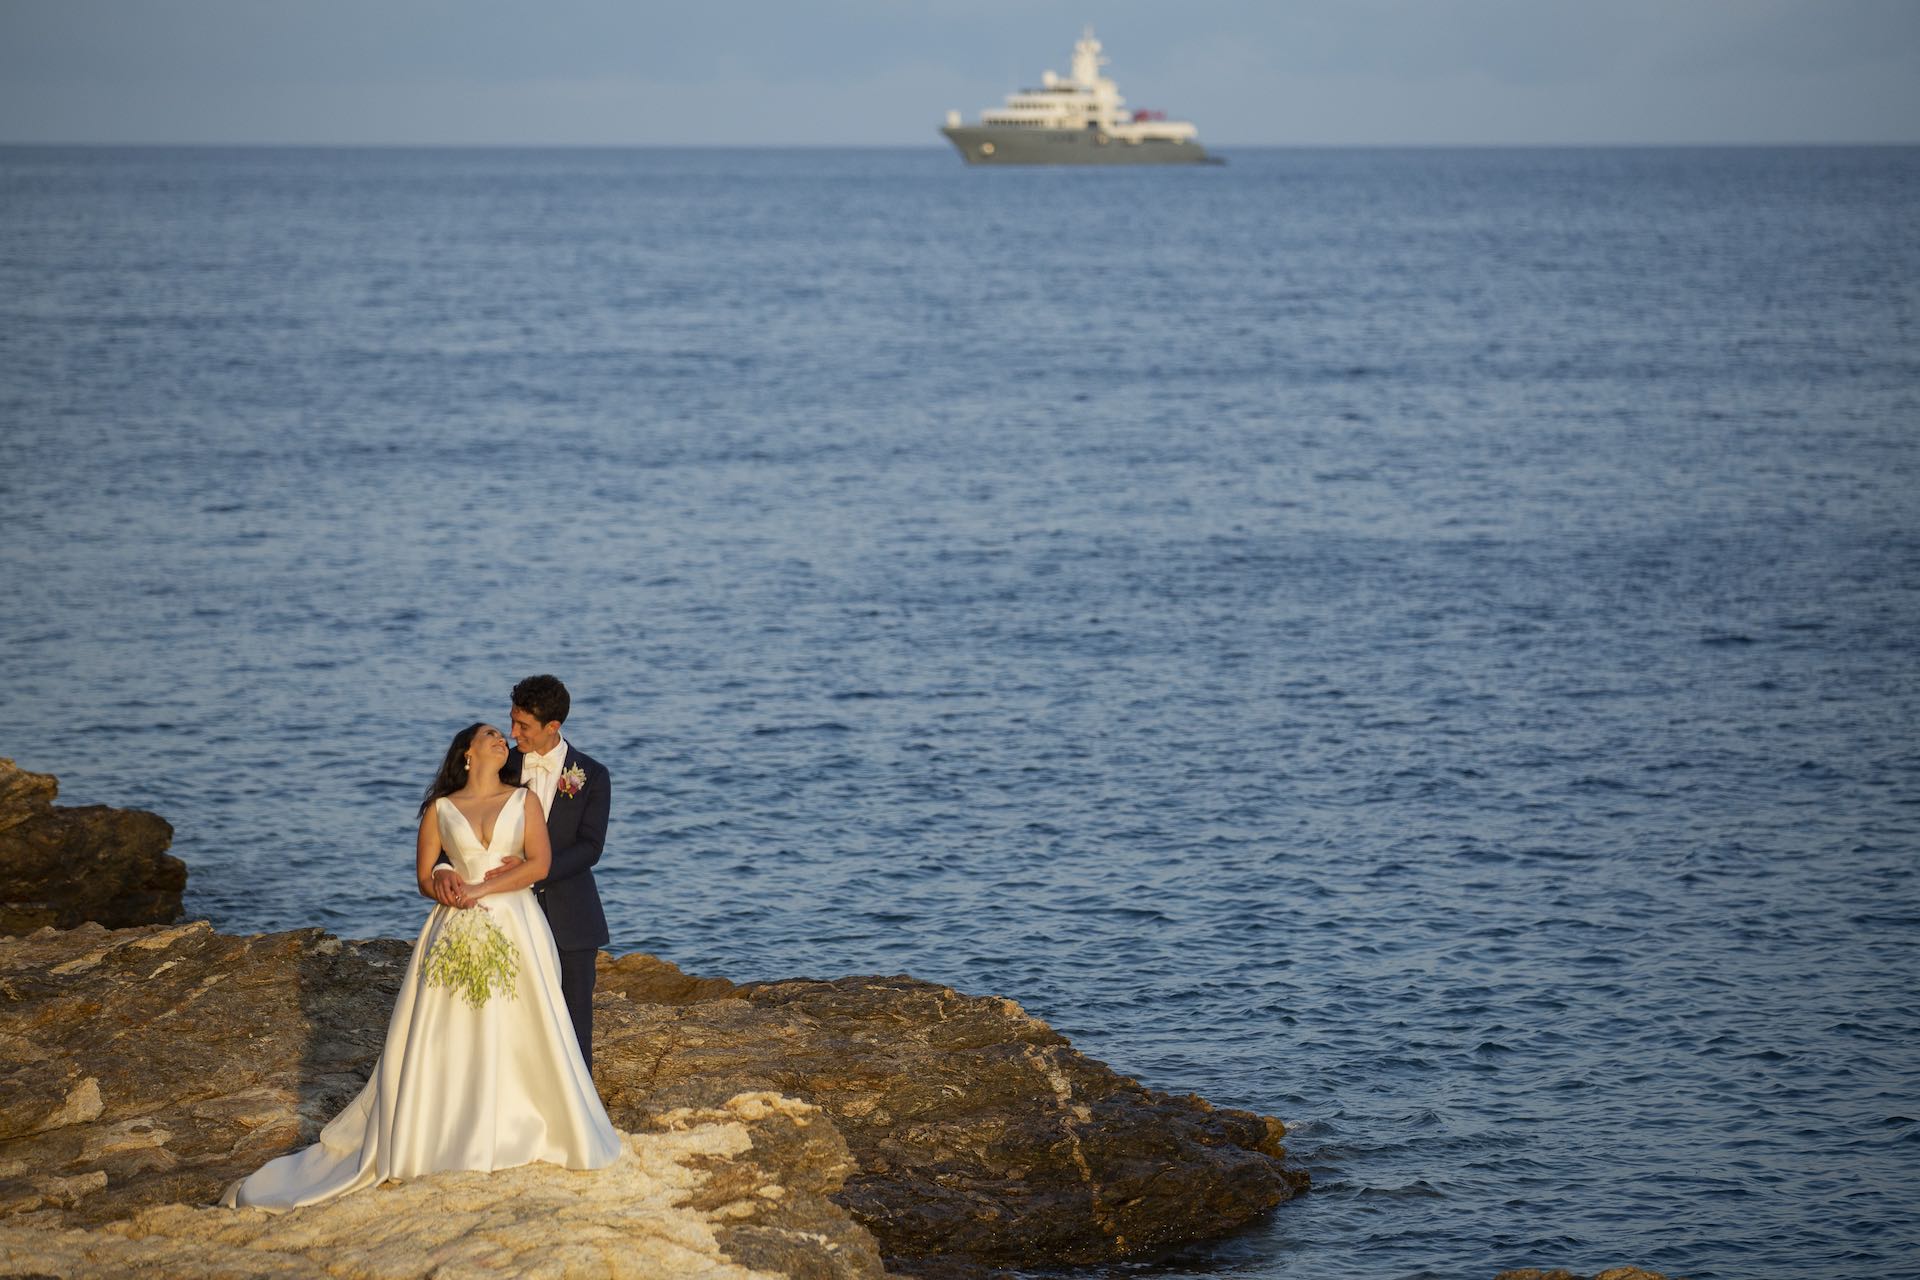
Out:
{"x": 472, "y": 831}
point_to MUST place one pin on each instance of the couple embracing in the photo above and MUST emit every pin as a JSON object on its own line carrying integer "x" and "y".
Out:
{"x": 489, "y": 1051}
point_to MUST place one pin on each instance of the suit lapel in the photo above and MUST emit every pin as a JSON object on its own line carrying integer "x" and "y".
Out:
{"x": 562, "y": 807}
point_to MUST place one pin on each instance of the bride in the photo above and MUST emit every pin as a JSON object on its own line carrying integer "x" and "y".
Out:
{"x": 480, "y": 1068}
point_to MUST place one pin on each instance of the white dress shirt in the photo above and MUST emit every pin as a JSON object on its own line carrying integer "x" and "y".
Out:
{"x": 540, "y": 774}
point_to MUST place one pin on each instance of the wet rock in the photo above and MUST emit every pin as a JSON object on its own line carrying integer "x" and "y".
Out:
{"x": 982, "y": 1137}
{"x": 1612, "y": 1273}
{"x": 61, "y": 867}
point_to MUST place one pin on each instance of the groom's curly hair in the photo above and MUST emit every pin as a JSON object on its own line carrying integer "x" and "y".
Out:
{"x": 542, "y": 697}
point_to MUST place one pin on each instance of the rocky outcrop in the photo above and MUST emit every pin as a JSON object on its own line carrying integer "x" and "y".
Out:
{"x": 981, "y": 1135}
{"x": 148, "y": 1067}
{"x": 61, "y": 867}
{"x": 144, "y": 1066}
{"x": 707, "y": 1192}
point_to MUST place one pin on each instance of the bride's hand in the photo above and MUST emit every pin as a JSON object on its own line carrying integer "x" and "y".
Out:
{"x": 445, "y": 887}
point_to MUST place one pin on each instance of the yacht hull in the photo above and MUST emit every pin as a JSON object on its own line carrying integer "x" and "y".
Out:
{"x": 986, "y": 144}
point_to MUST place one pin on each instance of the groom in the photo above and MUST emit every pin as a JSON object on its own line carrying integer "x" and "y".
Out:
{"x": 576, "y": 793}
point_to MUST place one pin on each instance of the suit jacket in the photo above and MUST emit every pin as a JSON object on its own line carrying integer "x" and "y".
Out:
{"x": 577, "y": 830}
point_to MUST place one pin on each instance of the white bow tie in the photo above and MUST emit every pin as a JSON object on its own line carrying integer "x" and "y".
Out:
{"x": 540, "y": 763}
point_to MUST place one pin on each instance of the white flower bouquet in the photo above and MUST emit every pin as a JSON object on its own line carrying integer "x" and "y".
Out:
{"x": 473, "y": 958}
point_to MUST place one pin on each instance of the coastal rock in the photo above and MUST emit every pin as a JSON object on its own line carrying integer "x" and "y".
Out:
{"x": 1611, "y": 1273}
{"x": 708, "y": 1193}
{"x": 147, "y": 1068}
{"x": 982, "y": 1137}
{"x": 61, "y": 867}
{"x": 168, "y": 1061}
{"x": 151, "y": 1066}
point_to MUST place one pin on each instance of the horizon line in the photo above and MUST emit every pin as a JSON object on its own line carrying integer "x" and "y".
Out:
{"x": 19, "y": 144}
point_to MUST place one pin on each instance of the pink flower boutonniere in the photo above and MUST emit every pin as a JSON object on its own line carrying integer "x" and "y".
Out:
{"x": 571, "y": 780}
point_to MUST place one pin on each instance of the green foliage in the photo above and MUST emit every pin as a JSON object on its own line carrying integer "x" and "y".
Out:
{"x": 473, "y": 958}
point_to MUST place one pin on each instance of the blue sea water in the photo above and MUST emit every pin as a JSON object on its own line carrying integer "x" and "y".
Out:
{"x": 1418, "y": 643}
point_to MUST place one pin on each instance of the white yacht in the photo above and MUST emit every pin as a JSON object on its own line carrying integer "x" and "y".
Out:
{"x": 1081, "y": 119}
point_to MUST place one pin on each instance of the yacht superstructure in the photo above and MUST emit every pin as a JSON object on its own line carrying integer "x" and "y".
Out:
{"x": 1077, "y": 119}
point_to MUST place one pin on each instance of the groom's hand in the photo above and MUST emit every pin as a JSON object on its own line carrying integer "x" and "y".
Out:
{"x": 511, "y": 864}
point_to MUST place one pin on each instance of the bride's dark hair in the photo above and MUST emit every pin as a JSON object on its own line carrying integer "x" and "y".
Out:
{"x": 453, "y": 770}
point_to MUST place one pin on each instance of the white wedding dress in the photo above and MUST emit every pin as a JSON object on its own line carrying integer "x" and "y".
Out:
{"x": 458, "y": 1087}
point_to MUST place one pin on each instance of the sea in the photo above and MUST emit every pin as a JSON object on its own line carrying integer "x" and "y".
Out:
{"x": 1424, "y": 644}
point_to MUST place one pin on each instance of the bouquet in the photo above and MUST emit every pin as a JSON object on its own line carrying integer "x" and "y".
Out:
{"x": 473, "y": 958}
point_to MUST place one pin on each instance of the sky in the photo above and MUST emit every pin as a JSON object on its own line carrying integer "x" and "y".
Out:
{"x": 885, "y": 72}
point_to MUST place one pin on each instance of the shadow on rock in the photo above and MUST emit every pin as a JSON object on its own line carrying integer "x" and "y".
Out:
{"x": 155, "y": 1065}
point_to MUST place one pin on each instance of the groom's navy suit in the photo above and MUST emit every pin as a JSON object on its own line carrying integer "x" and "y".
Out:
{"x": 577, "y": 830}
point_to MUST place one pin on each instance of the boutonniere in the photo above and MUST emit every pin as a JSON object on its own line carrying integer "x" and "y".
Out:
{"x": 571, "y": 780}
